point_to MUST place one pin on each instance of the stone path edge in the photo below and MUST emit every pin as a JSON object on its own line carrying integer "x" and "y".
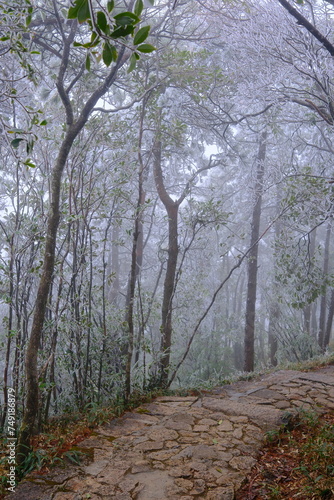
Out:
{"x": 185, "y": 447}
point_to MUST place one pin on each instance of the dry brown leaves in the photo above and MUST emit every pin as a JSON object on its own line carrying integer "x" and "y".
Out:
{"x": 278, "y": 474}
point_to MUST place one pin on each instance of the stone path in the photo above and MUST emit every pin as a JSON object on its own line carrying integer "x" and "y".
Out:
{"x": 185, "y": 448}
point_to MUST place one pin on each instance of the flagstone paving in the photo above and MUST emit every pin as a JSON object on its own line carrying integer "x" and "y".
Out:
{"x": 185, "y": 447}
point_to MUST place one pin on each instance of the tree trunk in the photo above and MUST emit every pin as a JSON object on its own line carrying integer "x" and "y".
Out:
{"x": 73, "y": 130}
{"x": 169, "y": 285}
{"x": 131, "y": 290}
{"x": 329, "y": 321}
{"x": 253, "y": 259}
{"x": 274, "y": 309}
{"x": 31, "y": 368}
{"x": 172, "y": 208}
{"x": 323, "y": 302}
{"x": 9, "y": 330}
{"x": 115, "y": 267}
{"x": 137, "y": 257}
{"x": 307, "y": 311}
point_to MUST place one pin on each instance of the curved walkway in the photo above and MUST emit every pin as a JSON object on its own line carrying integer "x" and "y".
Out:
{"x": 184, "y": 448}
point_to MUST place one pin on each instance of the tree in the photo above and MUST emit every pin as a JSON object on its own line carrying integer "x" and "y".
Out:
{"x": 122, "y": 24}
{"x": 253, "y": 257}
{"x": 311, "y": 28}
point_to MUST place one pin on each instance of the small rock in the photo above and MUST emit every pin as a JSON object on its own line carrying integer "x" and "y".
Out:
{"x": 162, "y": 434}
{"x": 207, "y": 421}
{"x": 182, "y": 472}
{"x": 149, "y": 446}
{"x": 178, "y": 426}
{"x": 128, "y": 485}
{"x": 140, "y": 466}
{"x": 201, "y": 451}
{"x": 239, "y": 420}
{"x": 184, "y": 483}
{"x": 225, "y": 426}
{"x": 158, "y": 466}
{"x": 237, "y": 433}
{"x": 96, "y": 467}
{"x": 282, "y": 405}
{"x": 242, "y": 463}
{"x": 201, "y": 428}
{"x": 199, "y": 487}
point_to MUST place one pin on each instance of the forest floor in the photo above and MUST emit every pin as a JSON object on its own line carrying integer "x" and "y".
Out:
{"x": 240, "y": 441}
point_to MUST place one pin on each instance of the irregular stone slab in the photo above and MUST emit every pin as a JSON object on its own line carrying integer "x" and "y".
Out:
{"x": 30, "y": 491}
{"x": 96, "y": 467}
{"x": 154, "y": 484}
{"x": 321, "y": 378}
{"x": 150, "y": 446}
{"x": 178, "y": 426}
{"x": 242, "y": 463}
{"x": 322, "y": 401}
{"x": 201, "y": 451}
{"x": 162, "y": 434}
{"x": 160, "y": 410}
{"x": 282, "y": 405}
{"x": 225, "y": 426}
{"x": 141, "y": 466}
{"x": 112, "y": 476}
{"x": 184, "y": 417}
{"x": 121, "y": 427}
{"x": 266, "y": 418}
{"x": 207, "y": 421}
{"x": 199, "y": 487}
{"x": 268, "y": 394}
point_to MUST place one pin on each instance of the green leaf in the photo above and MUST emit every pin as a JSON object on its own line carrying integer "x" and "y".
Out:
{"x": 44, "y": 122}
{"x": 93, "y": 37}
{"x": 29, "y": 163}
{"x": 141, "y": 35}
{"x": 16, "y": 142}
{"x": 126, "y": 18}
{"x": 133, "y": 62}
{"x": 110, "y": 5}
{"x": 139, "y": 5}
{"x": 73, "y": 10}
{"x": 87, "y": 63}
{"x": 4, "y": 38}
{"x": 122, "y": 31}
{"x": 146, "y": 48}
{"x": 16, "y": 130}
{"x": 29, "y": 146}
{"x": 80, "y": 10}
{"x": 109, "y": 54}
{"x": 101, "y": 21}
{"x": 84, "y": 12}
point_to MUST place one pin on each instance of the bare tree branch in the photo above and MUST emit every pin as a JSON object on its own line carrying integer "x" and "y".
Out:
{"x": 309, "y": 26}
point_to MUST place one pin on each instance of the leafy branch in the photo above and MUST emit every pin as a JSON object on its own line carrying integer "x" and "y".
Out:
{"x": 107, "y": 28}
